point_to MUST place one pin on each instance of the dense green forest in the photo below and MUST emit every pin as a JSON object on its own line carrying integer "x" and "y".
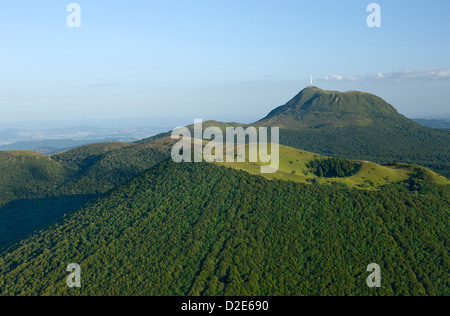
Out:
{"x": 22, "y": 217}
{"x": 36, "y": 190}
{"x": 140, "y": 224}
{"x": 427, "y": 147}
{"x": 201, "y": 229}
{"x": 334, "y": 167}
{"x": 27, "y": 175}
{"x": 100, "y": 168}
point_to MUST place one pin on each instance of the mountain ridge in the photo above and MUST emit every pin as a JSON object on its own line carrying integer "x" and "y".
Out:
{"x": 89, "y": 171}
{"x": 161, "y": 228}
{"x": 358, "y": 125}
{"x": 315, "y": 107}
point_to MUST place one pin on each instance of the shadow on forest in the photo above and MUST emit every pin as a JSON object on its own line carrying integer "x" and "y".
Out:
{"x": 22, "y": 217}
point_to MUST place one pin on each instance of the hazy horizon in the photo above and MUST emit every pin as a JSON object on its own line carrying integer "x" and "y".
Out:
{"x": 213, "y": 59}
{"x": 169, "y": 122}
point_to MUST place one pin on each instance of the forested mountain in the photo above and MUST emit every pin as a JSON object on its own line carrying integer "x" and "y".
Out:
{"x": 358, "y": 125}
{"x": 201, "y": 229}
{"x": 140, "y": 224}
{"x": 36, "y": 190}
{"x": 314, "y": 107}
{"x": 26, "y": 174}
{"x": 354, "y": 125}
{"x": 100, "y": 168}
{"x": 91, "y": 169}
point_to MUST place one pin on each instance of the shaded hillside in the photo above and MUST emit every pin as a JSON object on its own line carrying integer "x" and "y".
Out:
{"x": 101, "y": 167}
{"x": 197, "y": 229}
{"x": 26, "y": 174}
{"x": 22, "y": 217}
{"x": 90, "y": 169}
{"x": 36, "y": 190}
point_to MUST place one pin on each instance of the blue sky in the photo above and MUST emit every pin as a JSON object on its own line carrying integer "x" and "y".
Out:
{"x": 213, "y": 59}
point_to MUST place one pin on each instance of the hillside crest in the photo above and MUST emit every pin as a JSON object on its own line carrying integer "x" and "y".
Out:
{"x": 314, "y": 107}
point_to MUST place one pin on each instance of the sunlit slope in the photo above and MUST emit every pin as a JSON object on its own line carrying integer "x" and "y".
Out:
{"x": 294, "y": 166}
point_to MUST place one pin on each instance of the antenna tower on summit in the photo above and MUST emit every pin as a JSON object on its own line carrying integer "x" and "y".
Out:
{"x": 311, "y": 85}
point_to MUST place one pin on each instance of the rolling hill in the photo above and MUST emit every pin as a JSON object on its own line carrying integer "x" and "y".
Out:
{"x": 314, "y": 107}
{"x": 301, "y": 166}
{"x": 354, "y": 125}
{"x": 160, "y": 228}
{"x": 78, "y": 176}
{"x": 90, "y": 169}
{"x": 36, "y": 190}
{"x": 203, "y": 229}
{"x": 358, "y": 125}
{"x": 26, "y": 174}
